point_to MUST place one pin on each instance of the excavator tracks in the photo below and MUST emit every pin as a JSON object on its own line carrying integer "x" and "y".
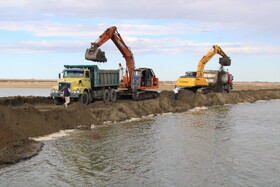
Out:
{"x": 139, "y": 95}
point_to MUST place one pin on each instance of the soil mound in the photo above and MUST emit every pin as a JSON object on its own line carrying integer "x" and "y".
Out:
{"x": 24, "y": 117}
{"x": 18, "y": 100}
{"x": 19, "y": 150}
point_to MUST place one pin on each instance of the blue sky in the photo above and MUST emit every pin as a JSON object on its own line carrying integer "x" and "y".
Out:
{"x": 39, "y": 37}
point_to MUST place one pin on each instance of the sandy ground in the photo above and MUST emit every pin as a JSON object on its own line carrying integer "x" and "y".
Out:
{"x": 25, "y": 117}
{"x": 27, "y": 83}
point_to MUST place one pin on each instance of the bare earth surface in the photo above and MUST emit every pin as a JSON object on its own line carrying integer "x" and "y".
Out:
{"x": 25, "y": 117}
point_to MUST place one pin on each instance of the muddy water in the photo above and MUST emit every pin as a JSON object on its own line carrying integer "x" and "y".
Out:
{"x": 234, "y": 145}
{"x": 6, "y": 92}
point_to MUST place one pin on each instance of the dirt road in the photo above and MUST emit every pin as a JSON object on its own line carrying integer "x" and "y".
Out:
{"x": 24, "y": 117}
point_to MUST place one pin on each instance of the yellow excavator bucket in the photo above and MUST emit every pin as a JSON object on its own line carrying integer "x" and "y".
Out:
{"x": 96, "y": 55}
{"x": 225, "y": 61}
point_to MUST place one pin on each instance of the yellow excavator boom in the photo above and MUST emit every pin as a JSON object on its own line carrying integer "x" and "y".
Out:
{"x": 196, "y": 79}
{"x": 224, "y": 61}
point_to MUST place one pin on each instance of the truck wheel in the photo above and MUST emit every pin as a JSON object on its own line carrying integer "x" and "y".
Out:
{"x": 84, "y": 98}
{"x": 223, "y": 89}
{"x": 90, "y": 98}
{"x": 228, "y": 88}
{"x": 106, "y": 96}
{"x": 113, "y": 95}
{"x": 58, "y": 101}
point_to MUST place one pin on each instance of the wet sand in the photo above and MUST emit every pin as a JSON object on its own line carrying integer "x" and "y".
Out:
{"x": 25, "y": 117}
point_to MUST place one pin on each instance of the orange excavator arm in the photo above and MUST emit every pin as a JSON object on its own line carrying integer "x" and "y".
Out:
{"x": 224, "y": 61}
{"x": 97, "y": 55}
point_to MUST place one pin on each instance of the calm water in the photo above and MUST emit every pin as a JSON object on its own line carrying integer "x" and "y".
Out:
{"x": 234, "y": 145}
{"x": 6, "y": 92}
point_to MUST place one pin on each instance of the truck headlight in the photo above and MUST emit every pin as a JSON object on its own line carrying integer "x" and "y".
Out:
{"x": 76, "y": 91}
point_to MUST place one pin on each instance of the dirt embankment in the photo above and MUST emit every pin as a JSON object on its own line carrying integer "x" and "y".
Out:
{"x": 24, "y": 117}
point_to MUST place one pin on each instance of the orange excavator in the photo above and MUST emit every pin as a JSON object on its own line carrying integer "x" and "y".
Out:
{"x": 136, "y": 81}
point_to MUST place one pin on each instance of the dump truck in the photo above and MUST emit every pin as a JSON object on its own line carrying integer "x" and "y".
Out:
{"x": 137, "y": 82}
{"x": 86, "y": 82}
{"x": 219, "y": 81}
{"x": 196, "y": 81}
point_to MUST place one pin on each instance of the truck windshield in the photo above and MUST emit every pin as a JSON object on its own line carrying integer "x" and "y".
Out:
{"x": 73, "y": 73}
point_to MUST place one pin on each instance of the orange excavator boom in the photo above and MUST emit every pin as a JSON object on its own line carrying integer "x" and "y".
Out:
{"x": 95, "y": 54}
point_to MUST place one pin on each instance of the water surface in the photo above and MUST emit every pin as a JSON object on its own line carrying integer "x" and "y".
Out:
{"x": 233, "y": 145}
{"x": 6, "y": 92}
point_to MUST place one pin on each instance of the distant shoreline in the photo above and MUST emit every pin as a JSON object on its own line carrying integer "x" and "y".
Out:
{"x": 164, "y": 85}
{"x": 28, "y": 80}
{"x": 27, "y": 83}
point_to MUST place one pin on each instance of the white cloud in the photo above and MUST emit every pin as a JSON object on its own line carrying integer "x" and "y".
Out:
{"x": 47, "y": 28}
{"x": 140, "y": 46}
{"x": 42, "y": 47}
{"x": 247, "y": 13}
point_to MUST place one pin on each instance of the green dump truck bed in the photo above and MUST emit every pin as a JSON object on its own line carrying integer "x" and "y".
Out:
{"x": 99, "y": 77}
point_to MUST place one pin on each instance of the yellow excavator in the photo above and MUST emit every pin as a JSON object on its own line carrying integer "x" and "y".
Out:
{"x": 197, "y": 80}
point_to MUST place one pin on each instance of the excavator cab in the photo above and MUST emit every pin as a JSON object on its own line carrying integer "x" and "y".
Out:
{"x": 95, "y": 54}
{"x": 190, "y": 74}
{"x": 145, "y": 78}
{"x": 225, "y": 61}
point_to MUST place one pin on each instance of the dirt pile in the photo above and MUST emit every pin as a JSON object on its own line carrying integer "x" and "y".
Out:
{"x": 24, "y": 117}
{"x": 18, "y": 100}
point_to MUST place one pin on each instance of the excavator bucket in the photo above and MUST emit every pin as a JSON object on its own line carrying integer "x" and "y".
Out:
{"x": 95, "y": 55}
{"x": 225, "y": 61}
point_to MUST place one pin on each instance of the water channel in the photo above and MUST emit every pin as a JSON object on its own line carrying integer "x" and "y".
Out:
{"x": 232, "y": 145}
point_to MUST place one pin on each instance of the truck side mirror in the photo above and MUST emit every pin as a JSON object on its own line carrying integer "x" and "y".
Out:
{"x": 59, "y": 76}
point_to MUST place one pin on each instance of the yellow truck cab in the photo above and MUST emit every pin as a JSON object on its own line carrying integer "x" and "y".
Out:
{"x": 86, "y": 82}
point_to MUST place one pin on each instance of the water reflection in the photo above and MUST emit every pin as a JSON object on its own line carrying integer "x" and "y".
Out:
{"x": 234, "y": 145}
